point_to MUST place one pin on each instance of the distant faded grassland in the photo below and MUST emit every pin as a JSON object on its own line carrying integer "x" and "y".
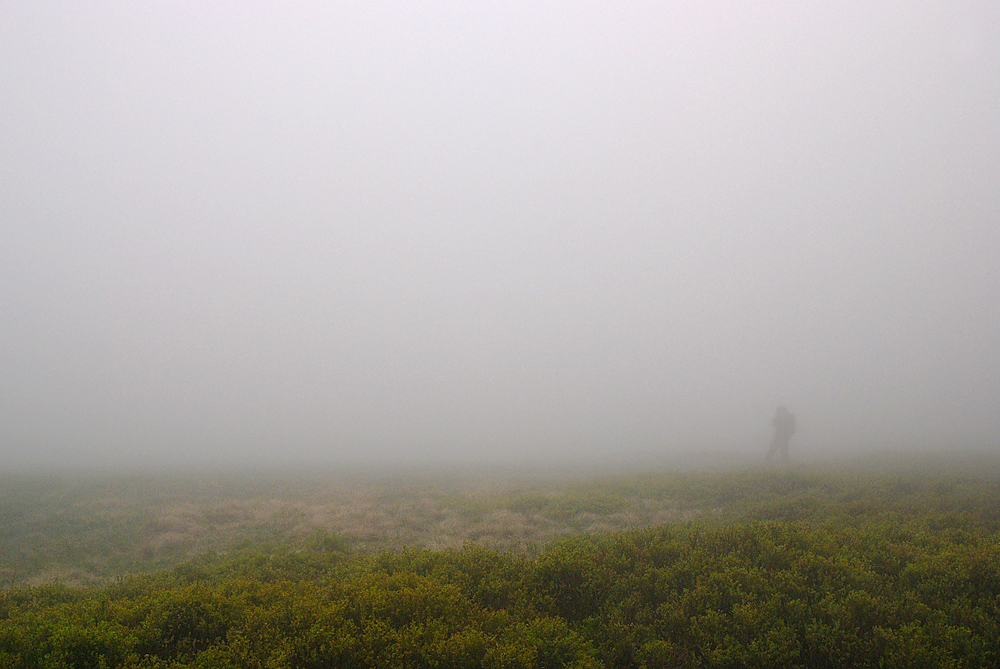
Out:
{"x": 81, "y": 530}
{"x": 88, "y": 529}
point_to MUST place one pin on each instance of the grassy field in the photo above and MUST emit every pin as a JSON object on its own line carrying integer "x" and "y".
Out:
{"x": 881, "y": 562}
{"x": 87, "y": 529}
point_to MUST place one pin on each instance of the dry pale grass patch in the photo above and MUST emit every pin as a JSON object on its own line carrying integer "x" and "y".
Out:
{"x": 83, "y": 531}
{"x": 375, "y": 517}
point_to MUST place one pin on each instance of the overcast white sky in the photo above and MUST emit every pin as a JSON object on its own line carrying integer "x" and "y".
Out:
{"x": 245, "y": 232}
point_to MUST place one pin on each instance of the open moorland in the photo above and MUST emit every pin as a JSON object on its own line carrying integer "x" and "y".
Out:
{"x": 889, "y": 561}
{"x": 87, "y": 529}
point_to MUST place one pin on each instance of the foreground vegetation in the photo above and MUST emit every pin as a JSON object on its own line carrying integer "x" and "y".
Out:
{"x": 880, "y": 564}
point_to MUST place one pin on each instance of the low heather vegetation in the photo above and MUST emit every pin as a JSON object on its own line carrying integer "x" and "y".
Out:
{"x": 873, "y": 564}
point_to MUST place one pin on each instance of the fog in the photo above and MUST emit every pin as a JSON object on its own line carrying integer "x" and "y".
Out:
{"x": 495, "y": 232}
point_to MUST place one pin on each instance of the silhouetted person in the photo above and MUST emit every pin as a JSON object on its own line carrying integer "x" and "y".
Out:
{"x": 784, "y": 428}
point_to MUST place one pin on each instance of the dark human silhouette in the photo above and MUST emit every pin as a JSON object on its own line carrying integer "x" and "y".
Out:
{"x": 784, "y": 428}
